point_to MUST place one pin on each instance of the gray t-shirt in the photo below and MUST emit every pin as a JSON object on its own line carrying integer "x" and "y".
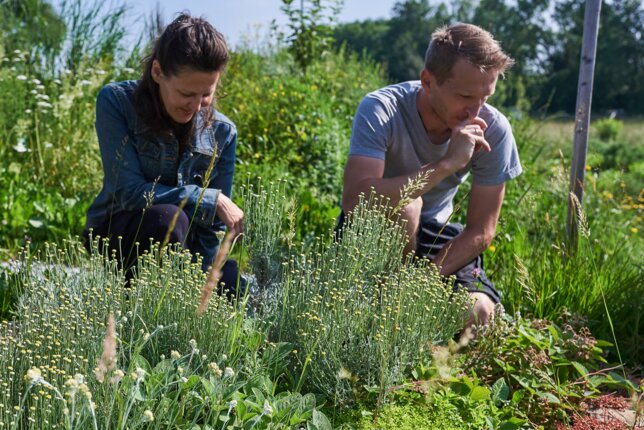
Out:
{"x": 388, "y": 126}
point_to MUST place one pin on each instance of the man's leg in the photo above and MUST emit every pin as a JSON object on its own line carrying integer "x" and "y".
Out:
{"x": 411, "y": 214}
{"x": 483, "y": 310}
{"x": 430, "y": 240}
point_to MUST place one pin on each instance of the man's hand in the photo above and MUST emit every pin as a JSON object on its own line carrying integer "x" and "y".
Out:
{"x": 230, "y": 214}
{"x": 467, "y": 138}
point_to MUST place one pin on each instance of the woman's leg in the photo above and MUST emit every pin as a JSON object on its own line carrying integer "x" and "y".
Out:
{"x": 127, "y": 228}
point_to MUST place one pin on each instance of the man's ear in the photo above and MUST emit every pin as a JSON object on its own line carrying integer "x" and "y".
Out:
{"x": 425, "y": 78}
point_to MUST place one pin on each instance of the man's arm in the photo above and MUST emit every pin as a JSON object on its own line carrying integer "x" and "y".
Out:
{"x": 483, "y": 212}
{"x": 362, "y": 173}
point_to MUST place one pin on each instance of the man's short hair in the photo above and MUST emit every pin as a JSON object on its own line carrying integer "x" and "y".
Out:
{"x": 468, "y": 42}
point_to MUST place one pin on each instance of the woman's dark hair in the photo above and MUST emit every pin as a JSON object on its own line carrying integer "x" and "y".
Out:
{"x": 187, "y": 43}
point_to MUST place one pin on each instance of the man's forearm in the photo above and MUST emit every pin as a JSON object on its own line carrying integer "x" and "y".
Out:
{"x": 461, "y": 250}
{"x": 391, "y": 187}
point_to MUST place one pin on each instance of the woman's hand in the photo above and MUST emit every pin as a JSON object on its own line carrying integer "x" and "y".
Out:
{"x": 230, "y": 214}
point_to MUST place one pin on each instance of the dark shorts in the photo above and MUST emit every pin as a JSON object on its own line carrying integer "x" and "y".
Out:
{"x": 430, "y": 240}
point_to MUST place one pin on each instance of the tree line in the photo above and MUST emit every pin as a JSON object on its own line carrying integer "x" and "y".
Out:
{"x": 543, "y": 36}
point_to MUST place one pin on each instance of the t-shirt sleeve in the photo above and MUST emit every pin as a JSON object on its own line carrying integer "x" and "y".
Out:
{"x": 502, "y": 163}
{"x": 371, "y": 129}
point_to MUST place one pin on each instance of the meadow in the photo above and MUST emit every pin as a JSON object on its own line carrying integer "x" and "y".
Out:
{"x": 331, "y": 335}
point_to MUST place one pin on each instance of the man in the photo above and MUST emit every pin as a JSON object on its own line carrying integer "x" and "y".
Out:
{"x": 441, "y": 127}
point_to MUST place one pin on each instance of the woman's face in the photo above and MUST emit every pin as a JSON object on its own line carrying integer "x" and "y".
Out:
{"x": 186, "y": 92}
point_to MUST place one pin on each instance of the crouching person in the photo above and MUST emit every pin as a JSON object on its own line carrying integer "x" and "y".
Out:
{"x": 440, "y": 127}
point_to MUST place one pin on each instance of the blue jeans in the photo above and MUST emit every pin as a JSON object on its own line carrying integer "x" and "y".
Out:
{"x": 154, "y": 223}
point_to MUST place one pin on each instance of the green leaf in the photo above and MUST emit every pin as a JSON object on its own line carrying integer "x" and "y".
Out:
{"x": 479, "y": 394}
{"x": 320, "y": 421}
{"x": 603, "y": 343}
{"x": 554, "y": 333}
{"x": 137, "y": 394}
{"x": 517, "y": 396}
{"x": 500, "y": 390}
{"x": 512, "y": 424}
{"x": 580, "y": 368}
{"x": 551, "y": 398}
{"x": 460, "y": 388}
{"x": 507, "y": 425}
{"x": 525, "y": 383}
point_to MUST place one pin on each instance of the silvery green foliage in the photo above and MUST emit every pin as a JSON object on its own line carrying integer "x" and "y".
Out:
{"x": 356, "y": 311}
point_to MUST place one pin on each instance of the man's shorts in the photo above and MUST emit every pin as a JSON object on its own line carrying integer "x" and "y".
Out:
{"x": 430, "y": 239}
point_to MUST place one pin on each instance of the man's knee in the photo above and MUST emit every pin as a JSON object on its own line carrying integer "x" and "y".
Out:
{"x": 411, "y": 214}
{"x": 482, "y": 310}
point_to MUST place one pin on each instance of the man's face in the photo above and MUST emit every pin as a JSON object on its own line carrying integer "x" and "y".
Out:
{"x": 462, "y": 95}
{"x": 185, "y": 93}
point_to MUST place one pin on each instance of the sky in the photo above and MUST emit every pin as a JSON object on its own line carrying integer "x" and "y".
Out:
{"x": 234, "y": 18}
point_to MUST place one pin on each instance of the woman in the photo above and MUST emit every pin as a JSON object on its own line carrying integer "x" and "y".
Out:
{"x": 157, "y": 138}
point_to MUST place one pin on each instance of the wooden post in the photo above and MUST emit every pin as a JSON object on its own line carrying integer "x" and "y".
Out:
{"x": 582, "y": 118}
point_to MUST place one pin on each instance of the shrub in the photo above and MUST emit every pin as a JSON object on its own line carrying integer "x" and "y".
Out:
{"x": 84, "y": 352}
{"x": 297, "y": 126}
{"x": 608, "y": 129}
{"x": 355, "y": 313}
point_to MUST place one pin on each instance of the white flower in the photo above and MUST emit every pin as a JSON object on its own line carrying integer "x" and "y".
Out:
{"x": 233, "y": 404}
{"x": 193, "y": 344}
{"x": 118, "y": 375}
{"x": 43, "y": 105}
{"x": 175, "y": 355}
{"x": 128, "y": 70}
{"x": 183, "y": 379}
{"x": 344, "y": 373}
{"x": 33, "y": 375}
{"x": 214, "y": 368}
{"x": 20, "y": 146}
{"x": 229, "y": 372}
{"x": 35, "y": 81}
{"x": 100, "y": 72}
{"x": 140, "y": 373}
{"x": 148, "y": 416}
{"x": 28, "y": 111}
{"x": 57, "y": 81}
{"x": 21, "y": 77}
{"x": 85, "y": 82}
{"x": 267, "y": 408}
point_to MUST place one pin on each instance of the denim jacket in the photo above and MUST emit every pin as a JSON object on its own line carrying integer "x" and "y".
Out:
{"x": 142, "y": 169}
